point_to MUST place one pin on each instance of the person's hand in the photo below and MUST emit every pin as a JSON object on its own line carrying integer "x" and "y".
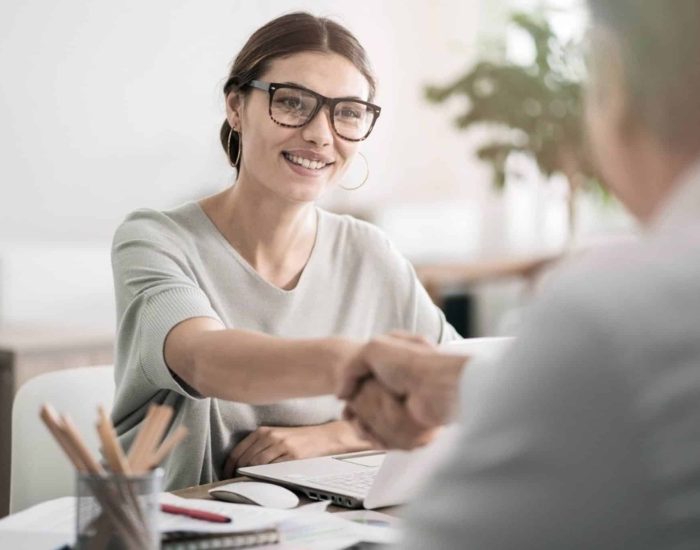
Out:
{"x": 392, "y": 353}
{"x": 384, "y": 420}
{"x": 270, "y": 444}
{"x": 422, "y": 379}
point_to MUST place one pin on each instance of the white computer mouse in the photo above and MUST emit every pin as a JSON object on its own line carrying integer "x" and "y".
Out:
{"x": 256, "y": 492}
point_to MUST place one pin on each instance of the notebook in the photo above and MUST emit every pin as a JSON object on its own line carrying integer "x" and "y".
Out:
{"x": 202, "y": 541}
{"x": 251, "y": 526}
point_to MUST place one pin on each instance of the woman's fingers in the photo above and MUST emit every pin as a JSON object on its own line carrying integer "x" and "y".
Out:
{"x": 242, "y": 446}
{"x": 231, "y": 464}
{"x": 249, "y": 446}
{"x": 261, "y": 443}
{"x": 236, "y": 452}
{"x": 284, "y": 458}
{"x": 383, "y": 418}
{"x": 353, "y": 376}
{"x": 265, "y": 456}
{"x": 367, "y": 434}
{"x": 229, "y": 467}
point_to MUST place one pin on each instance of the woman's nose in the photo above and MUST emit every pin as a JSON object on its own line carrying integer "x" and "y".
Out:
{"x": 319, "y": 130}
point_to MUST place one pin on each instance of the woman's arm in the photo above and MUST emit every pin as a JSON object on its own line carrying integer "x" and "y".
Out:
{"x": 251, "y": 367}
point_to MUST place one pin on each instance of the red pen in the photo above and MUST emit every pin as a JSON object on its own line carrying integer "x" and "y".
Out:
{"x": 196, "y": 514}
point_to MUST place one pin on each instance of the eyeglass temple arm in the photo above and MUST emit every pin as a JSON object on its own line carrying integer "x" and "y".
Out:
{"x": 265, "y": 86}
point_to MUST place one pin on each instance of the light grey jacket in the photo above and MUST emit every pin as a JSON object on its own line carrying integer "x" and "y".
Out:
{"x": 587, "y": 433}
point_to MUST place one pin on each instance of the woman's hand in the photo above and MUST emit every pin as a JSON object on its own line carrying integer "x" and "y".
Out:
{"x": 399, "y": 389}
{"x": 270, "y": 444}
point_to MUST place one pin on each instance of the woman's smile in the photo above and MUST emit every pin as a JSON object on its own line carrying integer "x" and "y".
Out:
{"x": 296, "y": 162}
{"x": 307, "y": 163}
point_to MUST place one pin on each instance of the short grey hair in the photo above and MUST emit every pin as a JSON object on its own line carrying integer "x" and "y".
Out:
{"x": 660, "y": 48}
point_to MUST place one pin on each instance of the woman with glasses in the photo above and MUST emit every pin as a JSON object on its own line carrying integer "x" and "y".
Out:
{"x": 241, "y": 309}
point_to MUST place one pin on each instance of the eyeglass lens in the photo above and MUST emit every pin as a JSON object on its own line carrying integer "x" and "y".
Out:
{"x": 293, "y": 107}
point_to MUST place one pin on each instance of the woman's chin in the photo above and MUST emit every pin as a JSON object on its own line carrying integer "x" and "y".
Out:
{"x": 306, "y": 189}
{"x": 306, "y": 194}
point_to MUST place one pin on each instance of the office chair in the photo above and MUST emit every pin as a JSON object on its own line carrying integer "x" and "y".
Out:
{"x": 39, "y": 469}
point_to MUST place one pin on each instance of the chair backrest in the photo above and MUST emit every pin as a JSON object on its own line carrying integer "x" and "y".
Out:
{"x": 40, "y": 470}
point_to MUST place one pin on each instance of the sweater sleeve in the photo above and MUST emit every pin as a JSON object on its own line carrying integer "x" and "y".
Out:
{"x": 156, "y": 289}
{"x": 420, "y": 314}
{"x": 428, "y": 319}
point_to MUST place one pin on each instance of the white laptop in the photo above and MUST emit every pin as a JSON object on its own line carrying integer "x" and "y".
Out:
{"x": 374, "y": 479}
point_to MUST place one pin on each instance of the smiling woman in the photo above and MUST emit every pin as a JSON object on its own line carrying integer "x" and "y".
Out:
{"x": 242, "y": 309}
{"x": 276, "y": 136}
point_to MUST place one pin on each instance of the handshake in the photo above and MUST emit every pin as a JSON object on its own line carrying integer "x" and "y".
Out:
{"x": 399, "y": 390}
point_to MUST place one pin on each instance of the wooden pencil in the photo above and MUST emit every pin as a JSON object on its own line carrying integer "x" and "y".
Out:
{"x": 49, "y": 416}
{"x": 167, "y": 446}
{"x": 142, "y": 436}
{"x": 113, "y": 450}
{"x": 156, "y": 429}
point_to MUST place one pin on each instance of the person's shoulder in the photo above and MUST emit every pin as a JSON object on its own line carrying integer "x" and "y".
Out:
{"x": 617, "y": 282}
{"x": 587, "y": 314}
{"x": 590, "y": 274}
{"x": 156, "y": 225}
{"x": 352, "y": 233}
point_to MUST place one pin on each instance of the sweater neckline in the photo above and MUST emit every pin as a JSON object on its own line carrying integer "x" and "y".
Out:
{"x": 305, "y": 272}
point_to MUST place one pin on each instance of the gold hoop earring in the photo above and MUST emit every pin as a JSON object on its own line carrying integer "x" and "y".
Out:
{"x": 236, "y": 162}
{"x": 364, "y": 180}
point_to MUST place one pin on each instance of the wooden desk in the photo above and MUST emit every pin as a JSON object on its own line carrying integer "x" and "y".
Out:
{"x": 26, "y": 352}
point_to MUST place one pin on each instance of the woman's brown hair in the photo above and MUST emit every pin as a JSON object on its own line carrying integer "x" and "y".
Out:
{"x": 286, "y": 35}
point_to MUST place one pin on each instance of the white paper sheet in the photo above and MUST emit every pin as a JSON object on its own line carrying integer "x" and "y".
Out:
{"x": 51, "y": 524}
{"x": 328, "y": 531}
{"x": 23, "y": 540}
{"x": 46, "y": 526}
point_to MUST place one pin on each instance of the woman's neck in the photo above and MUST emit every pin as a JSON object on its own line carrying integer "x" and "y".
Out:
{"x": 275, "y": 237}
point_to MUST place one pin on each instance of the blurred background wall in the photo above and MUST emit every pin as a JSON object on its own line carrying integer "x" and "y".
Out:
{"x": 111, "y": 106}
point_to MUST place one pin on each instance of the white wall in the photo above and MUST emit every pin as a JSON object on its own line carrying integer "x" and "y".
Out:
{"x": 109, "y": 106}
{"x": 106, "y": 107}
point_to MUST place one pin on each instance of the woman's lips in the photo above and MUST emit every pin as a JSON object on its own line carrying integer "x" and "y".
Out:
{"x": 303, "y": 171}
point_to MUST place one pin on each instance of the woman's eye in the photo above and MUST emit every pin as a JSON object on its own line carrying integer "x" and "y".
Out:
{"x": 349, "y": 113}
{"x": 289, "y": 102}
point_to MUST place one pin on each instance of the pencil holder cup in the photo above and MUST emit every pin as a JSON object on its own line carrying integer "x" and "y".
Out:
{"x": 117, "y": 512}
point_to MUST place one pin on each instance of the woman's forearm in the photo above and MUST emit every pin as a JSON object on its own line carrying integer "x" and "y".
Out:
{"x": 255, "y": 368}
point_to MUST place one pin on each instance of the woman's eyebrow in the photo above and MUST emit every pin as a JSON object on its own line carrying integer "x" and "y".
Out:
{"x": 291, "y": 83}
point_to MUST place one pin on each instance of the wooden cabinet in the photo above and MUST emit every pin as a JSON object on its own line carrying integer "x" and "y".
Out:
{"x": 26, "y": 352}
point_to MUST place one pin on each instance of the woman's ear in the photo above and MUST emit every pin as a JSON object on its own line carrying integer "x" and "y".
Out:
{"x": 234, "y": 106}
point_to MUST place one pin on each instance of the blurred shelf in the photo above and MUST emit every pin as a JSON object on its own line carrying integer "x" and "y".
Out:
{"x": 437, "y": 277}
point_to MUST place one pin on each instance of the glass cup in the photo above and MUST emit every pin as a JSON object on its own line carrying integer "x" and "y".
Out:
{"x": 117, "y": 512}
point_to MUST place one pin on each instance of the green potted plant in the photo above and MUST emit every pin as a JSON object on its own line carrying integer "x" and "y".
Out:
{"x": 538, "y": 108}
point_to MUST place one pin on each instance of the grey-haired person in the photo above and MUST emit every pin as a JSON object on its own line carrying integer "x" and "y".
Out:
{"x": 586, "y": 434}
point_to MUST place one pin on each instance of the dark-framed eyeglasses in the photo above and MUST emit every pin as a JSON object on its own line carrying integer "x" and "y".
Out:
{"x": 294, "y": 106}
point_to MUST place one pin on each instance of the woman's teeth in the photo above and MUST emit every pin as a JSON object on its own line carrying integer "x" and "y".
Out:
{"x": 306, "y": 163}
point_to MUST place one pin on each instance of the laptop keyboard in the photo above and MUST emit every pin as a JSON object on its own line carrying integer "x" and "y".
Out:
{"x": 354, "y": 482}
